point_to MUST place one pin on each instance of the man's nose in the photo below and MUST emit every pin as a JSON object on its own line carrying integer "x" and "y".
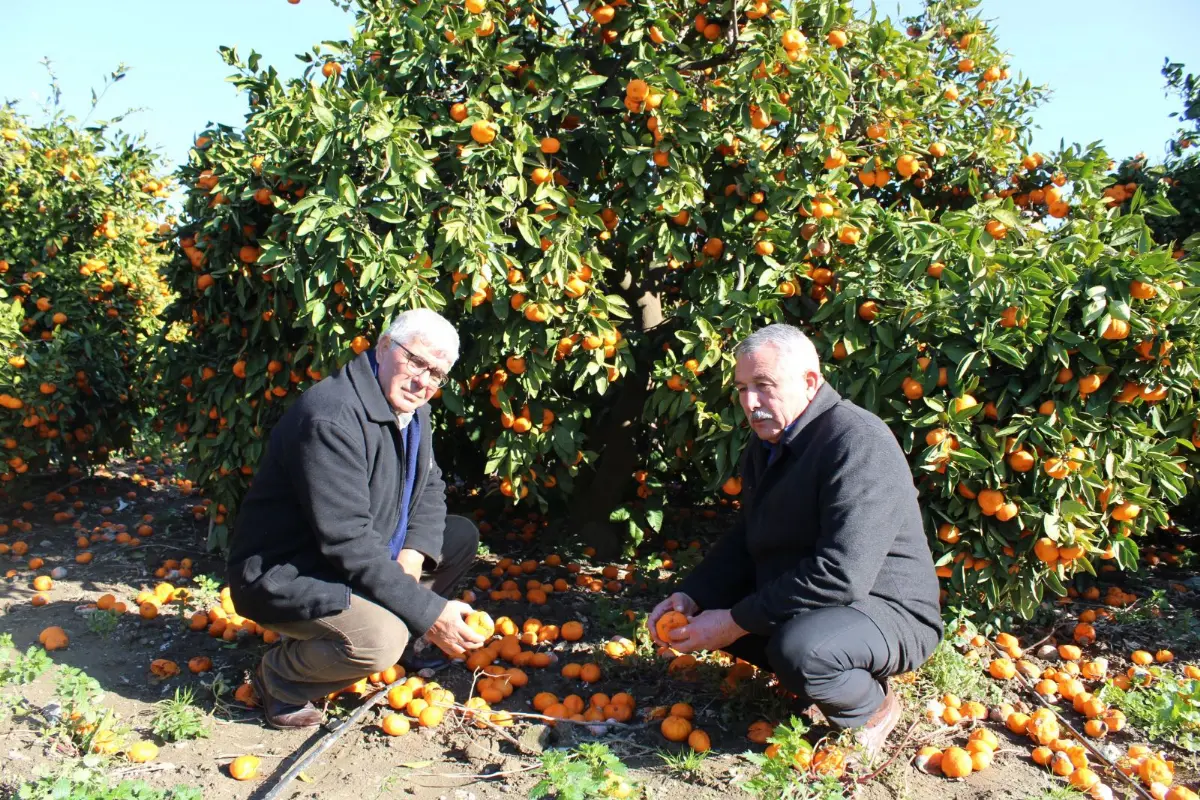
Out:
{"x": 750, "y": 400}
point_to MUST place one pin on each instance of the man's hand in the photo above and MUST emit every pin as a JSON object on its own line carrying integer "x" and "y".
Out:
{"x": 451, "y": 632}
{"x": 412, "y": 562}
{"x": 677, "y": 602}
{"x": 710, "y": 630}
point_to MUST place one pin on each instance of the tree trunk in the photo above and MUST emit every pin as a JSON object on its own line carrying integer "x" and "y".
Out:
{"x": 601, "y": 488}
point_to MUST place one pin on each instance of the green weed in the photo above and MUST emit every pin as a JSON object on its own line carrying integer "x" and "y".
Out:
{"x": 85, "y": 780}
{"x": 103, "y": 623}
{"x": 81, "y": 718}
{"x": 1148, "y": 609}
{"x": 684, "y": 763}
{"x": 206, "y": 593}
{"x": 606, "y": 615}
{"x": 1157, "y": 619}
{"x": 591, "y": 771}
{"x": 77, "y": 690}
{"x": 21, "y": 668}
{"x": 1061, "y": 793}
{"x": 777, "y": 778}
{"x": 949, "y": 671}
{"x": 178, "y": 719}
{"x": 755, "y": 697}
{"x": 1168, "y": 709}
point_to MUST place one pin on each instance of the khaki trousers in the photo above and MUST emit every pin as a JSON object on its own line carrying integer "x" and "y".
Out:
{"x": 327, "y": 654}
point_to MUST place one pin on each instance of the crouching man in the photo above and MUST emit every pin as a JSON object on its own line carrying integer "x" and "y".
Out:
{"x": 343, "y": 544}
{"x": 826, "y": 578}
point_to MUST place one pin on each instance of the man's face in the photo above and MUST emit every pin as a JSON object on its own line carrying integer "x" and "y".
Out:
{"x": 772, "y": 393}
{"x": 408, "y": 372}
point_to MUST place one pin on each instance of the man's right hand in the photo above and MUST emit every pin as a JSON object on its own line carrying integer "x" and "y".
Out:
{"x": 451, "y": 633}
{"x": 677, "y": 602}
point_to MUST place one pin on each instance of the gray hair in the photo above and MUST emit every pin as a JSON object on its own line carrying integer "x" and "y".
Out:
{"x": 795, "y": 348}
{"x": 428, "y": 326}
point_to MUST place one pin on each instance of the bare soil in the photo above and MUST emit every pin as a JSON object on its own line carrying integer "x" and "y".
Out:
{"x": 451, "y": 761}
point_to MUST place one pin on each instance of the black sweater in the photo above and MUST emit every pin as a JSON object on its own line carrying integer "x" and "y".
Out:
{"x": 315, "y": 525}
{"x": 834, "y": 521}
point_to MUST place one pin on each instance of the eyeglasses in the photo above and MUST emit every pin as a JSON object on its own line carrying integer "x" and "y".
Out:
{"x": 418, "y": 366}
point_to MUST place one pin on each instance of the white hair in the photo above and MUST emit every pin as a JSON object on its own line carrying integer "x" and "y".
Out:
{"x": 794, "y": 347}
{"x": 427, "y": 325}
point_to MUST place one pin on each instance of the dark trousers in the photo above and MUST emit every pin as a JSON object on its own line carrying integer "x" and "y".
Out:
{"x": 327, "y": 654}
{"x": 835, "y": 657}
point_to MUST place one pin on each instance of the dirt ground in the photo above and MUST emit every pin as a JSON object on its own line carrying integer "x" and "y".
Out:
{"x": 450, "y": 761}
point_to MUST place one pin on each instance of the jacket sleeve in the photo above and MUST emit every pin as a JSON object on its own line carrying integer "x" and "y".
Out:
{"x": 864, "y": 485}
{"x": 329, "y": 472}
{"x": 427, "y": 521}
{"x": 726, "y": 574}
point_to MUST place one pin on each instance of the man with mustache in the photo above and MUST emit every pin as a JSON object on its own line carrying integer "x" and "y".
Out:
{"x": 343, "y": 544}
{"x": 826, "y": 578}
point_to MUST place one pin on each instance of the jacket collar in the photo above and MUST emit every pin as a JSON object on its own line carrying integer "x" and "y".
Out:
{"x": 370, "y": 393}
{"x": 825, "y": 399}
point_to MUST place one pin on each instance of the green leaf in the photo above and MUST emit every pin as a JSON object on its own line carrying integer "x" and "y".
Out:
{"x": 589, "y": 82}
{"x": 379, "y": 131}
{"x": 322, "y": 148}
{"x": 385, "y": 212}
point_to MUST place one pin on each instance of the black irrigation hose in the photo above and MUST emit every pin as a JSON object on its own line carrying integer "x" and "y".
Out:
{"x": 333, "y": 732}
{"x": 1137, "y": 787}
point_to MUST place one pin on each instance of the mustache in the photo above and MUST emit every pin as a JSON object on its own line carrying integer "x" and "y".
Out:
{"x": 758, "y": 415}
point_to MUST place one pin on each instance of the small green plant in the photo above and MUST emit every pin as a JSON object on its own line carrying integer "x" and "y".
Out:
{"x": 82, "y": 716}
{"x": 606, "y": 615}
{"x": 103, "y": 623}
{"x": 206, "y": 593}
{"x": 388, "y": 785}
{"x": 1168, "y": 709}
{"x": 786, "y": 776}
{"x": 685, "y": 559}
{"x": 77, "y": 690}
{"x": 8, "y": 704}
{"x": 591, "y": 771}
{"x": 640, "y": 635}
{"x": 21, "y": 668}
{"x": 1148, "y": 609}
{"x": 178, "y": 719}
{"x": 754, "y": 696}
{"x": 85, "y": 780}
{"x": 683, "y": 764}
{"x": 1061, "y": 793}
{"x": 949, "y": 671}
{"x": 1157, "y": 619}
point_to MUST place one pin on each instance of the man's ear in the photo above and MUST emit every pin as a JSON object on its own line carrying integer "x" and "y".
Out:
{"x": 812, "y": 384}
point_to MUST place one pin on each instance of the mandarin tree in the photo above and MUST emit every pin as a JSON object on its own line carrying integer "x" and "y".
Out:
{"x": 80, "y": 290}
{"x": 605, "y": 201}
{"x": 1177, "y": 179}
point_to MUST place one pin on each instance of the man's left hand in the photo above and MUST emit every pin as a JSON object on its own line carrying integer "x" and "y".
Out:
{"x": 708, "y": 630}
{"x": 411, "y": 561}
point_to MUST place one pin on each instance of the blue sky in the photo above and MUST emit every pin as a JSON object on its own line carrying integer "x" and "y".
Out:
{"x": 1101, "y": 59}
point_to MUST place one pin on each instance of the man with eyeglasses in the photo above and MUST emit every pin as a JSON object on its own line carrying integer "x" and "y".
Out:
{"x": 343, "y": 544}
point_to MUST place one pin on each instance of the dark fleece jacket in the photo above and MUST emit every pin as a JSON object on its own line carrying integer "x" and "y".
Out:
{"x": 325, "y": 501}
{"x": 833, "y": 521}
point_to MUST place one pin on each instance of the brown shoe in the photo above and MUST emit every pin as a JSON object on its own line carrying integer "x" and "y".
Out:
{"x": 873, "y": 736}
{"x": 280, "y": 714}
